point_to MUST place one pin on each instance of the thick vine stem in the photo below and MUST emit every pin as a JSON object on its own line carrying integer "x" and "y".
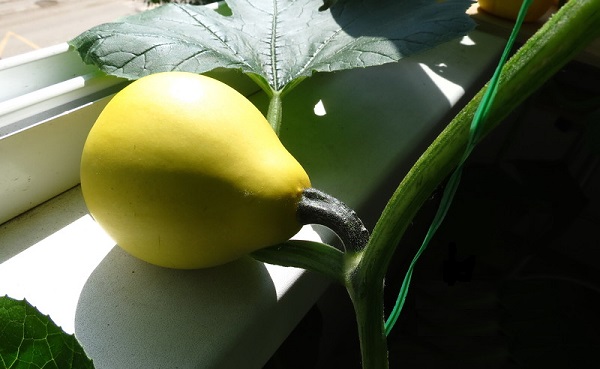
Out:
{"x": 317, "y": 207}
{"x": 565, "y": 34}
{"x": 562, "y": 37}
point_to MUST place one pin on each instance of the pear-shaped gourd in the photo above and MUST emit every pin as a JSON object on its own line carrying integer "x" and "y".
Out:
{"x": 184, "y": 172}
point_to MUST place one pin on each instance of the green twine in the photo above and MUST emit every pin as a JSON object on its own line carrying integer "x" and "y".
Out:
{"x": 479, "y": 119}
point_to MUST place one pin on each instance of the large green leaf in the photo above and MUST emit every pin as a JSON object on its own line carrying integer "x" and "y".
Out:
{"x": 278, "y": 40}
{"x": 29, "y": 339}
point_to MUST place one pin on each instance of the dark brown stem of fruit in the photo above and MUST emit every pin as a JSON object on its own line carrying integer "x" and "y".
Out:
{"x": 317, "y": 207}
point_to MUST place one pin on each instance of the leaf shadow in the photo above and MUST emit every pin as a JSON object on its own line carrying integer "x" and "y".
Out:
{"x": 409, "y": 26}
{"x": 412, "y": 27}
{"x": 131, "y": 314}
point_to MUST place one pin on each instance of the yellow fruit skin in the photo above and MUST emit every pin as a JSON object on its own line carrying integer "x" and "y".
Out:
{"x": 509, "y": 9}
{"x": 184, "y": 172}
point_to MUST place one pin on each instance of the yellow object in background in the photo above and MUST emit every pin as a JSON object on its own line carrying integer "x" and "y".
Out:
{"x": 509, "y": 9}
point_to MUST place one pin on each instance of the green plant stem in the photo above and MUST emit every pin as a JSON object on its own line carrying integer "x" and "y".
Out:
{"x": 366, "y": 293}
{"x": 314, "y": 256}
{"x": 275, "y": 112}
{"x": 560, "y": 39}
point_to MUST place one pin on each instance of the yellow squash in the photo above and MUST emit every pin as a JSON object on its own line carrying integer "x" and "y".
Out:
{"x": 509, "y": 9}
{"x": 184, "y": 172}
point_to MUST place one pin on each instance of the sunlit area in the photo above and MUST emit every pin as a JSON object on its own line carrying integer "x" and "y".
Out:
{"x": 319, "y": 109}
{"x": 27, "y": 25}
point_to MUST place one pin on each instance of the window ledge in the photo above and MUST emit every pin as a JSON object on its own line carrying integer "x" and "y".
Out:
{"x": 356, "y": 133}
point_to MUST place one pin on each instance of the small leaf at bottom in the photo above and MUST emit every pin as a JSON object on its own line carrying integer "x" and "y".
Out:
{"x": 29, "y": 339}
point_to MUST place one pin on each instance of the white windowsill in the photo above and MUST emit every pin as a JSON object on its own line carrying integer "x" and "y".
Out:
{"x": 367, "y": 130}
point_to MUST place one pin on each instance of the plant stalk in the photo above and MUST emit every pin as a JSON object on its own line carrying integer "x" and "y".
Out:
{"x": 366, "y": 294}
{"x": 275, "y": 112}
{"x": 315, "y": 256}
{"x": 564, "y": 35}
